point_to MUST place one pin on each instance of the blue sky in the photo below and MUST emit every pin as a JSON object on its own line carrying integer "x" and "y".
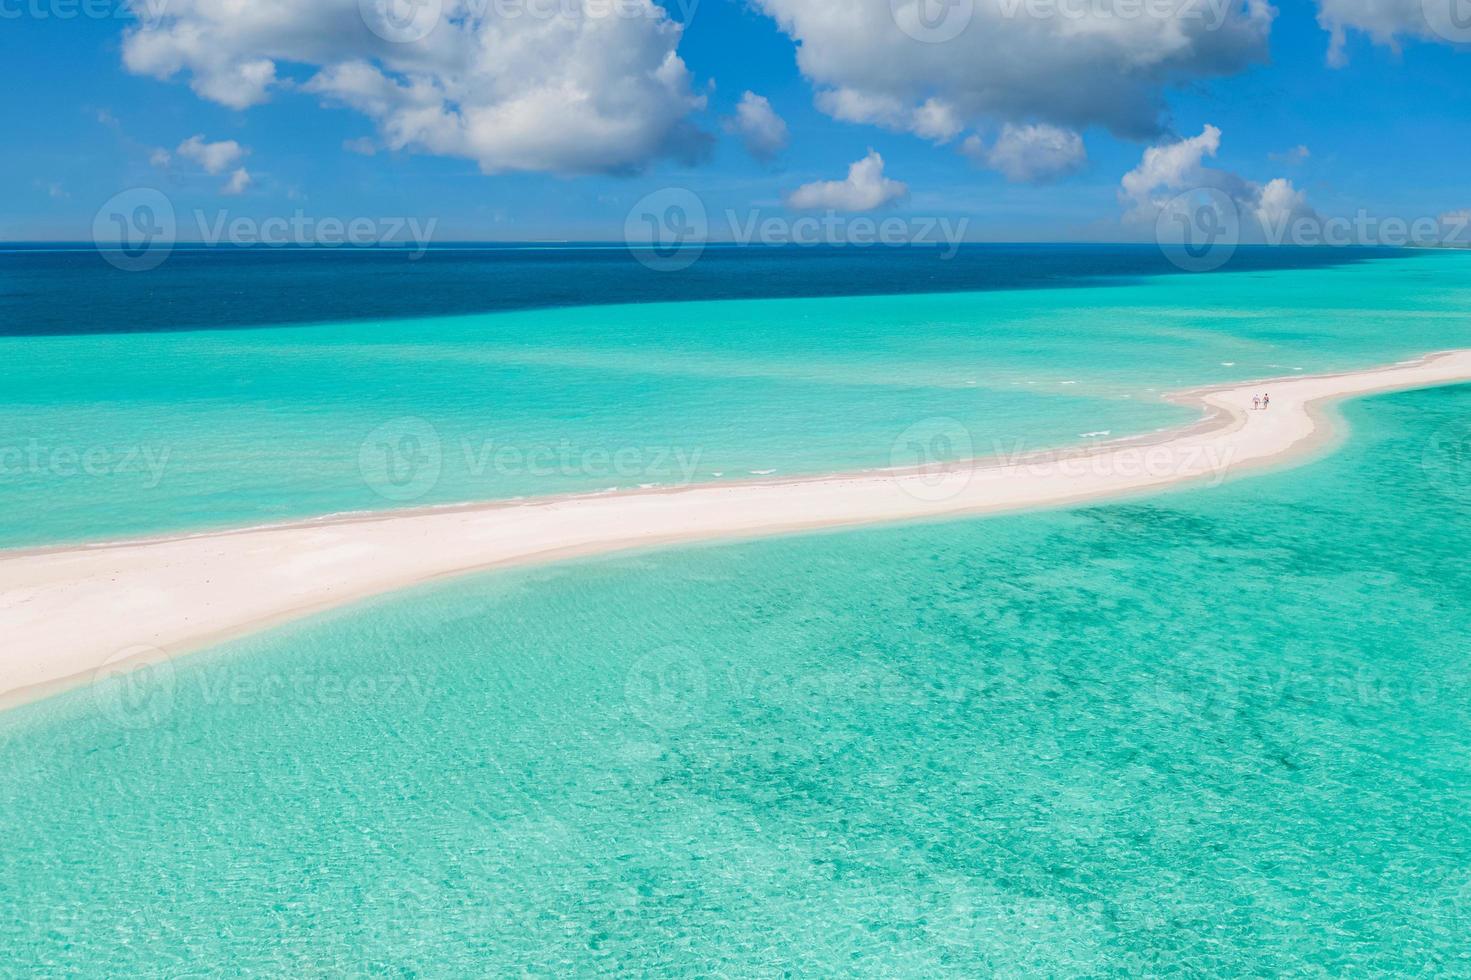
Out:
{"x": 1384, "y": 131}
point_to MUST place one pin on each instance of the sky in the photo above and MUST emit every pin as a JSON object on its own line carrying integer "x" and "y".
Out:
{"x": 532, "y": 120}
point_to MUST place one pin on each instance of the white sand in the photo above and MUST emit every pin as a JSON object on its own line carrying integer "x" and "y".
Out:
{"x": 67, "y": 614}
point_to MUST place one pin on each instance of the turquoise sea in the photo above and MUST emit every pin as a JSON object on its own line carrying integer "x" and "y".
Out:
{"x": 132, "y": 433}
{"x": 1215, "y": 732}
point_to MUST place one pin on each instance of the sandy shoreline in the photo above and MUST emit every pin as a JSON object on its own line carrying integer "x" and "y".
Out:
{"x": 68, "y": 613}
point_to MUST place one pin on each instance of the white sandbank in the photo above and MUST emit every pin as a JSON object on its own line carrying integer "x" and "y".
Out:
{"x": 69, "y": 614}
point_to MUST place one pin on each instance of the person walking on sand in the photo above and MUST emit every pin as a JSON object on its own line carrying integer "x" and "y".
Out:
{"x": 1266, "y": 401}
{"x": 1256, "y": 402}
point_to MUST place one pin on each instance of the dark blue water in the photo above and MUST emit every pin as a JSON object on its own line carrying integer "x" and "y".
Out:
{"x": 50, "y": 289}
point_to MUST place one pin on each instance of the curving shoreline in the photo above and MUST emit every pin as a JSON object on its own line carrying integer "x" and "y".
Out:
{"x": 68, "y": 613}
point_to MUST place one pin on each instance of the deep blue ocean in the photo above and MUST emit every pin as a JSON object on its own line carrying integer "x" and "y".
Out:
{"x": 60, "y": 289}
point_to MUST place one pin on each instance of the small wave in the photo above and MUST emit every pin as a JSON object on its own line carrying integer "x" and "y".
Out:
{"x": 762, "y": 472}
{"x": 1095, "y": 435}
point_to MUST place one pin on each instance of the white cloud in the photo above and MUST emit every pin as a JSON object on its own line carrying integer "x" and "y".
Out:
{"x": 865, "y": 189}
{"x": 1279, "y": 202}
{"x": 1030, "y": 154}
{"x": 1070, "y": 65}
{"x": 931, "y": 119}
{"x": 238, "y": 183}
{"x": 1171, "y": 169}
{"x": 1386, "y": 21}
{"x": 215, "y": 158}
{"x": 571, "y": 91}
{"x": 160, "y": 158}
{"x": 361, "y": 146}
{"x": 759, "y": 127}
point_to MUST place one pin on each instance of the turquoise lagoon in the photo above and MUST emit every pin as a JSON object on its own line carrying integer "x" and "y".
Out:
{"x": 1221, "y": 731}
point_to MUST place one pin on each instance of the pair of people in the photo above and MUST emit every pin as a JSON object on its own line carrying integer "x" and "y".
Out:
{"x": 1261, "y": 402}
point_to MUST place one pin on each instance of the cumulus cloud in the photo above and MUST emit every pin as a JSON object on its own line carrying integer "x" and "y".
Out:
{"x": 1068, "y": 65}
{"x": 572, "y": 91}
{"x": 1386, "y": 21}
{"x": 1278, "y": 202}
{"x": 931, "y": 119}
{"x": 1030, "y": 154}
{"x": 1170, "y": 169}
{"x": 238, "y": 183}
{"x": 215, "y": 158}
{"x": 759, "y": 127}
{"x": 865, "y": 189}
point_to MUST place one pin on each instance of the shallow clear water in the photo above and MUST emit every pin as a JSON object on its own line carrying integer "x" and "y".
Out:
{"x": 1223, "y": 732}
{"x": 123, "y": 434}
